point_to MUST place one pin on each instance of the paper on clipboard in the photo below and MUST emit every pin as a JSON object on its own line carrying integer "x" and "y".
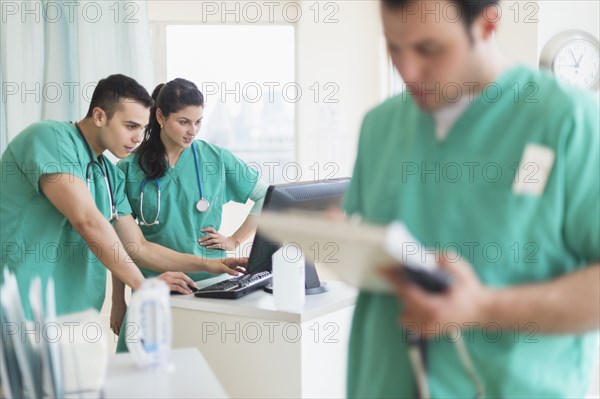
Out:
{"x": 24, "y": 351}
{"x": 49, "y": 350}
{"x": 359, "y": 248}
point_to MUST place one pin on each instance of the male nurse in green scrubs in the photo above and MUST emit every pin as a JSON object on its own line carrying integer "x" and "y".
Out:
{"x": 67, "y": 218}
{"x": 494, "y": 167}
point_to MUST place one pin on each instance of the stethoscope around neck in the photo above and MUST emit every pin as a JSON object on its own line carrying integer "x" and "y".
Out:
{"x": 201, "y": 206}
{"x": 103, "y": 170}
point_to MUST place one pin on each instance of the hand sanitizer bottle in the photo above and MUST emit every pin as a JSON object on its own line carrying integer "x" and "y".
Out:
{"x": 288, "y": 278}
{"x": 150, "y": 313}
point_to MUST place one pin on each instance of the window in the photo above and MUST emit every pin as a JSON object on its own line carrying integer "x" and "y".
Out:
{"x": 247, "y": 75}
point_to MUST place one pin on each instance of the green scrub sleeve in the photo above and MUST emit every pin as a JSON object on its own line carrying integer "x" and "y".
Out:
{"x": 240, "y": 178}
{"x": 582, "y": 202}
{"x": 258, "y": 196}
{"x": 47, "y": 153}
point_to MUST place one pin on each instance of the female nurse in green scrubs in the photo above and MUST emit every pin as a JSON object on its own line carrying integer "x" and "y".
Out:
{"x": 177, "y": 185}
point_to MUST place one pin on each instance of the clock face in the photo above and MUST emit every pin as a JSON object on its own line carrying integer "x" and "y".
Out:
{"x": 577, "y": 62}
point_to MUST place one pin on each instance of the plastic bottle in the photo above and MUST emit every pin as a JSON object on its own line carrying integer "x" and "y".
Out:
{"x": 288, "y": 278}
{"x": 149, "y": 315}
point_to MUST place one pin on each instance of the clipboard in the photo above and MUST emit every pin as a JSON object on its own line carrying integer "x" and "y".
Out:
{"x": 356, "y": 250}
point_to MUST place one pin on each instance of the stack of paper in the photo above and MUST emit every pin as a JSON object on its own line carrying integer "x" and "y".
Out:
{"x": 48, "y": 356}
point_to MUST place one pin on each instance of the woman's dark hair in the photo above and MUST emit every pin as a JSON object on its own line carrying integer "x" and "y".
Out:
{"x": 170, "y": 97}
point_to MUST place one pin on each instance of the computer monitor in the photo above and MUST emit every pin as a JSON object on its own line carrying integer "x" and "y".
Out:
{"x": 312, "y": 196}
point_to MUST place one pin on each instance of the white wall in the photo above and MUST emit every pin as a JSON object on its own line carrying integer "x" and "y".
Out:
{"x": 517, "y": 31}
{"x": 346, "y": 55}
{"x": 527, "y": 26}
{"x": 560, "y": 15}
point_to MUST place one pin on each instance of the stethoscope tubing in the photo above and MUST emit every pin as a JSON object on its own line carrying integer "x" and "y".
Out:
{"x": 103, "y": 171}
{"x": 143, "y": 221}
{"x": 156, "y": 182}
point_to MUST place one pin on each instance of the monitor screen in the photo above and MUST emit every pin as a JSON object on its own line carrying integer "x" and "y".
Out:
{"x": 312, "y": 196}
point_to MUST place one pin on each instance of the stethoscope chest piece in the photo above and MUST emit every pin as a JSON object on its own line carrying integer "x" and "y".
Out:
{"x": 202, "y": 205}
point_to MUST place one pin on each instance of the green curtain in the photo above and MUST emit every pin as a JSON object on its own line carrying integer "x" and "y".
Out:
{"x": 53, "y": 52}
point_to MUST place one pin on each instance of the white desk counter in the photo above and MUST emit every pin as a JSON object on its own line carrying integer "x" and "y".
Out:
{"x": 261, "y": 305}
{"x": 258, "y": 351}
{"x": 190, "y": 377}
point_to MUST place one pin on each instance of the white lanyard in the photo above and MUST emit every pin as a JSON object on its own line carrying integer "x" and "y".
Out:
{"x": 416, "y": 356}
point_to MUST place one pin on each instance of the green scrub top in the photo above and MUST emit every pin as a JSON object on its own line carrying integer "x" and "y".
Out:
{"x": 37, "y": 240}
{"x": 457, "y": 195}
{"x": 224, "y": 178}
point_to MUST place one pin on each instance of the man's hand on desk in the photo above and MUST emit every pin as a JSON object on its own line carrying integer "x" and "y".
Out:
{"x": 178, "y": 282}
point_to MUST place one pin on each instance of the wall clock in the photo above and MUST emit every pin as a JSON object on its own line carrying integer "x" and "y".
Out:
{"x": 574, "y": 57}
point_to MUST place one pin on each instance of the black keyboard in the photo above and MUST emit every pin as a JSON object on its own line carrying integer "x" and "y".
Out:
{"x": 235, "y": 287}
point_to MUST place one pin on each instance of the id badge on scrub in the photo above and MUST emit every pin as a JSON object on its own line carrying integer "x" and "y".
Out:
{"x": 534, "y": 170}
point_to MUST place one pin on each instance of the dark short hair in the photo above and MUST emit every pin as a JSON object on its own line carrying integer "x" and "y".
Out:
{"x": 111, "y": 90}
{"x": 469, "y": 9}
